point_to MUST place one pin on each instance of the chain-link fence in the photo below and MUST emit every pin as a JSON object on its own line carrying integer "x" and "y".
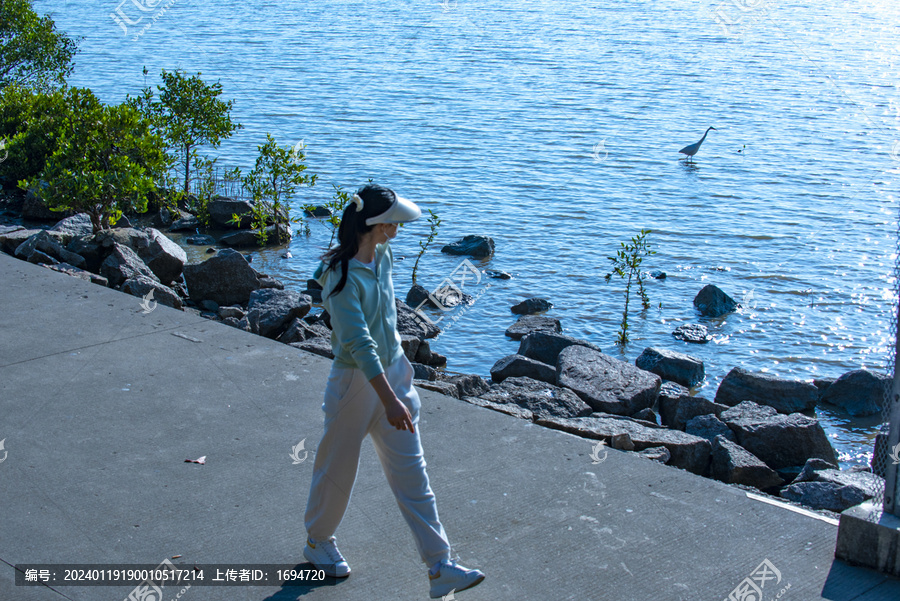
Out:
{"x": 884, "y": 455}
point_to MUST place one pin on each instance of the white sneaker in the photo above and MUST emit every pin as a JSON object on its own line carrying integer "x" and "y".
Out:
{"x": 452, "y": 577}
{"x": 325, "y": 556}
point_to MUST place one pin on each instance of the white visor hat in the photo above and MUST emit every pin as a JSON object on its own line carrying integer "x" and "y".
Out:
{"x": 400, "y": 211}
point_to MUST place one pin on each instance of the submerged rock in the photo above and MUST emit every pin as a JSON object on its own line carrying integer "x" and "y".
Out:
{"x": 859, "y": 392}
{"x": 526, "y": 324}
{"x": 712, "y": 302}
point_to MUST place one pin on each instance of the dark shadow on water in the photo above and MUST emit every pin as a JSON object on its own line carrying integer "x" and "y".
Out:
{"x": 690, "y": 167}
{"x": 846, "y": 583}
{"x": 301, "y": 589}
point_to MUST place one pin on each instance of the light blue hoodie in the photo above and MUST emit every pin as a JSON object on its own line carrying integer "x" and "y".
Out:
{"x": 363, "y": 314}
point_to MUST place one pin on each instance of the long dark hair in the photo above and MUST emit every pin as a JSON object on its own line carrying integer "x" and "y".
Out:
{"x": 376, "y": 200}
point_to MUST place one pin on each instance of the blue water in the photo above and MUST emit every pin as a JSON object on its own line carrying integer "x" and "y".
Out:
{"x": 553, "y": 127}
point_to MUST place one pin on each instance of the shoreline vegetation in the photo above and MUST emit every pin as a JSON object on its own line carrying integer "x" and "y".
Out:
{"x": 97, "y": 171}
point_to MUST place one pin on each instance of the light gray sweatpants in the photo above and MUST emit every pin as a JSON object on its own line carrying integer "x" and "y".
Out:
{"x": 352, "y": 411}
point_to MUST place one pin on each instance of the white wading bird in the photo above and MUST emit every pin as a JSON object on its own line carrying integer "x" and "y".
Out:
{"x": 692, "y": 149}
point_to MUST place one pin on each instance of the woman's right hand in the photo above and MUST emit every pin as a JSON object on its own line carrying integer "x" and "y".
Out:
{"x": 398, "y": 415}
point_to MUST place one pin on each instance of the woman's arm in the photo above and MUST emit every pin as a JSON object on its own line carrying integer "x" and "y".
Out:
{"x": 397, "y": 413}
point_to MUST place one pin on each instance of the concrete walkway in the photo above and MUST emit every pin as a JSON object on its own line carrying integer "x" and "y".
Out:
{"x": 100, "y": 405}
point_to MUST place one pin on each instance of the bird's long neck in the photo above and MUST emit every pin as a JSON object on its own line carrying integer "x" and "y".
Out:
{"x": 704, "y": 134}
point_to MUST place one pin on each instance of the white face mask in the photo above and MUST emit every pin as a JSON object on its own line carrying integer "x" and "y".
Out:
{"x": 390, "y": 231}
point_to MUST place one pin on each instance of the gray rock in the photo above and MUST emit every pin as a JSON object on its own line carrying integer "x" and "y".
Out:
{"x": 786, "y": 396}
{"x": 497, "y": 275}
{"x": 48, "y": 244}
{"x": 233, "y": 311}
{"x": 808, "y": 473}
{"x": 40, "y": 258}
{"x": 424, "y": 372}
{"x": 200, "y": 240}
{"x": 10, "y": 241}
{"x": 646, "y": 415}
{"x": 868, "y": 484}
{"x": 478, "y": 247}
{"x": 532, "y": 305}
{"x": 165, "y": 258}
{"x": 300, "y": 331}
{"x": 692, "y": 332}
{"x": 226, "y": 278}
{"x": 712, "y": 302}
{"x": 410, "y": 346}
{"x": 222, "y": 209}
{"x": 518, "y": 365}
{"x": 660, "y": 454}
{"x": 317, "y": 346}
{"x": 36, "y": 209}
{"x": 144, "y": 287}
{"x": 734, "y": 465}
{"x": 74, "y": 226}
{"x": 509, "y": 408}
{"x": 8, "y": 229}
{"x": 823, "y": 495}
{"x": 269, "y": 310}
{"x": 445, "y": 388}
{"x": 604, "y": 382}
{"x": 123, "y": 264}
{"x": 671, "y": 365}
{"x": 317, "y": 211}
{"x": 268, "y": 282}
{"x": 781, "y": 441}
{"x": 209, "y": 306}
{"x": 546, "y": 347}
{"x": 527, "y": 324}
{"x": 185, "y": 224}
{"x": 859, "y": 392}
{"x": 469, "y": 384}
{"x": 425, "y": 355}
{"x": 411, "y": 323}
{"x": 688, "y": 452}
{"x": 88, "y": 247}
{"x": 822, "y": 384}
{"x": 250, "y": 239}
{"x": 540, "y": 398}
{"x": 671, "y": 390}
{"x": 676, "y": 412}
{"x": 708, "y": 427}
{"x": 79, "y": 273}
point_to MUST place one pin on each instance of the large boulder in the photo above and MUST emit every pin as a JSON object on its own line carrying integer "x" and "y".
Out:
{"x": 734, "y": 465}
{"x": 546, "y": 347}
{"x": 92, "y": 250}
{"x": 411, "y": 323}
{"x": 518, "y": 365}
{"x": 532, "y": 305}
{"x": 541, "y": 398}
{"x": 12, "y": 239}
{"x": 671, "y": 365}
{"x": 868, "y": 484}
{"x": 74, "y": 226}
{"x": 222, "y": 209}
{"x": 604, "y": 382}
{"x": 316, "y": 346}
{"x": 165, "y": 258}
{"x": 781, "y": 441}
{"x": 79, "y": 273}
{"x": 708, "y": 427}
{"x": 47, "y": 243}
{"x": 270, "y": 309}
{"x": 688, "y": 452}
{"x": 123, "y": 264}
{"x": 152, "y": 290}
{"x": 297, "y": 331}
{"x": 469, "y": 384}
{"x": 676, "y": 412}
{"x": 226, "y": 278}
{"x": 507, "y": 408}
{"x": 859, "y": 392}
{"x": 786, "y": 396}
{"x": 823, "y": 495}
{"x": 526, "y": 324}
{"x": 712, "y": 302}
{"x": 478, "y": 247}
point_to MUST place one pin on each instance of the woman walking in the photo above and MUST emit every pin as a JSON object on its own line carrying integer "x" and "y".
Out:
{"x": 370, "y": 392}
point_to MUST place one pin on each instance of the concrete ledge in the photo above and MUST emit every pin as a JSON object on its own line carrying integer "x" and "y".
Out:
{"x": 869, "y": 537}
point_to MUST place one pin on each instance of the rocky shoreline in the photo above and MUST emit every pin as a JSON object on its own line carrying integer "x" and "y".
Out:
{"x": 757, "y": 431}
